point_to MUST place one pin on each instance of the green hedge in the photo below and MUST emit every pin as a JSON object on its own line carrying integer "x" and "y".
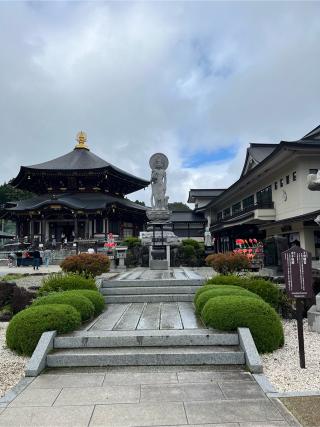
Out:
{"x": 95, "y": 297}
{"x": 267, "y": 290}
{"x": 26, "y": 327}
{"x": 227, "y": 313}
{"x": 82, "y": 304}
{"x": 214, "y": 292}
{"x": 206, "y": 288}
{"x": 66, "y": 282}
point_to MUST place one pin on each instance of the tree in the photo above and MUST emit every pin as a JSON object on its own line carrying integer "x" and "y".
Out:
{"x": 178, "y": 206}
{"x": 11, "y": 194}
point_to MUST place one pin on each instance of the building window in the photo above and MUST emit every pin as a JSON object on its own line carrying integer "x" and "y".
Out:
{"x": 313, "y": 171}
{"x": 219, "y": 216}
{"x": 294, "y": 176}
{"x": 236, "y": 207}
{"x": 276, "y": 185}
{"x": 287, "y": 179}
{"x": 248, "y": 202}
{"x": 226, "y": 212}
{"x": 264, "y": 196}
{"x": 281, "y": 182}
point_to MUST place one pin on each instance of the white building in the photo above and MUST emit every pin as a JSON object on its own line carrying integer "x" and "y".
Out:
{"x": 270, "y": 201}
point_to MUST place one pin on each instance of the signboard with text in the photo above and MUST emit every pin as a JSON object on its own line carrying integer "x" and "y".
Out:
{"x": 297, "y": 270}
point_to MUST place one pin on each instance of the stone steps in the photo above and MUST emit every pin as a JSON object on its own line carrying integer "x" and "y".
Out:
{"x": 122, "y": 299}
{"x": 146, "y": 338}
{"x": 149, "y": 283}
{"x": 137, "y": 290}
{"x": 146, "y": 356}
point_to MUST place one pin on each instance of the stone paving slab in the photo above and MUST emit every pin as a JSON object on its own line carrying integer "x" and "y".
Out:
{"x": 231, "y": 411}
{"x": 241, "y": 390}
{"x": 73, "y": 416}
{"x": 98, "y": 395}
{"x": 144, "y": 414}
{"x": 180, "y": 392}
{"x": 67, "y": 380}
{"x": 141, "y": 378}
{"x": 213, "y": 376}
{"x": 36, "y": 397}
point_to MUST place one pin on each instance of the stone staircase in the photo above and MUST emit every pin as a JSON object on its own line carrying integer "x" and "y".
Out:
{"x": 146, "y": 348}
{"x": 172, "y": 286}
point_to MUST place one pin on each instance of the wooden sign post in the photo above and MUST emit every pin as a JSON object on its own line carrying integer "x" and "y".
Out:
{"x": 297, "y": 269}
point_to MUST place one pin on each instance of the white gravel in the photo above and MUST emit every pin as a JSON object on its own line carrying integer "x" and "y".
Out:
{"x": 11, "y": 365}
{"x": 282, "y": 367}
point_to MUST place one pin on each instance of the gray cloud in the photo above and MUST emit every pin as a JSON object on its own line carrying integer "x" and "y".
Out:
{"x": 141, "y": 77}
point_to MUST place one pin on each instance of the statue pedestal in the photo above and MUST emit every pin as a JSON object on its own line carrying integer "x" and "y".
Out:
{"x": 159, "y": 238}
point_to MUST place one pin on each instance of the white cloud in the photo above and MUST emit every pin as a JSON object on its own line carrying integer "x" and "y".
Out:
{"x": 141, "y": 77}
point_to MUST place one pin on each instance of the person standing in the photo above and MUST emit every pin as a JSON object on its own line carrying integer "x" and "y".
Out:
{"x": 36, "y": 259}
{"x": 47, "y": 257}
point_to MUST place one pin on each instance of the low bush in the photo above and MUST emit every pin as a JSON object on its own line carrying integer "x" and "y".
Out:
{"x": 82, "y": 304}
{"x": 228, "y": 262}
{"x": 219, "y": 292}
{"x": 14, "y": 299}
{"x": 65, "y": 282}
{"x": 267, "y": 290}
{"x": 206, "y": 287}
{"x": 95, "y": 297}
{"x": 227, "y": 313}
{"x": 26, "y": 327}
{"x": 132, "y": 242}
{"x": 86, "y": 264}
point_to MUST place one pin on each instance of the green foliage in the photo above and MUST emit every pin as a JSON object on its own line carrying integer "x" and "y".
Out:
{"x": 191, "y": 242}
{"x": 214, "y": 292}
{"x": 65, "y": 282}
{"x": 267, "y": 290}
{"x": 132, "y": 242}
{"x": 227, "y": 313}
{"x": 86, "y": 264}
{"x": 228, "y": 262}
{"x": 206, "y": 287}
{"x": 26, "y": 327}
{"x": 82, "y": 304}
{"x": 11, "y": 194}
{"x": 95, "y": 297}
{"x": 178, "y": 207}
{"x": 12, "y": 277}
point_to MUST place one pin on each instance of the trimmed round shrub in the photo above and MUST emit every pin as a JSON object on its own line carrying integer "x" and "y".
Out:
{"x": 220, "y": 292}
{"x": 86, "y": 264}
{"x": 26, "y": 327}
{"x": 82, "y": 304}
{"x": 267, "y": 290}
{"x": 66, "y": 282}
{"x": 228, "y": 262}
{"x": 227, "y": 313}
{"x": 95, "y": 297}
{"x": 206, "y": 288}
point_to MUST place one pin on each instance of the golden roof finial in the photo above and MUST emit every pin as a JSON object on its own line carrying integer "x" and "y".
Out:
{"x": 82, "y": 139}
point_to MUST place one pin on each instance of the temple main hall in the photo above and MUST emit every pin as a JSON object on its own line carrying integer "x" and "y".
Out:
{"x": 77, "y": 196}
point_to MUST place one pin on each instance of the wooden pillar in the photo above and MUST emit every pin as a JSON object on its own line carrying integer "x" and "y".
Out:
{"x": 76, "y": 228}
{"x": 86, "y": 229}
{"x": 43, "y": 230}
{"x": 31, "y": 230}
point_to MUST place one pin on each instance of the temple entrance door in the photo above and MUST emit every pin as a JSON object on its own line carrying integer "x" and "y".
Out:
{"x": 62, "y": 230}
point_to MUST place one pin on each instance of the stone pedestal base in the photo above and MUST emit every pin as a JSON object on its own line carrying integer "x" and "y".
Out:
{"x": 314, "y": 316}
{"x": 159, "y": 264}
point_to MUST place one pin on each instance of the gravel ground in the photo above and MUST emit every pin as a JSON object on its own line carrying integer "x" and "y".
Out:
{"x": 282, "y": 367}
{"x": 28, "y": 281}
{"x": 11, "y": 365}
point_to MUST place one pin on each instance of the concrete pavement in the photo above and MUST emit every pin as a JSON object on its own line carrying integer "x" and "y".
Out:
{"x": 127, "y": 397}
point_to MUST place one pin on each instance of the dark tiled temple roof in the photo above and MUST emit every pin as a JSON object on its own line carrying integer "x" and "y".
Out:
{"x": 81, "y": 201}
{"x": 203, "y": 193}
{"x": 187, "y": 216}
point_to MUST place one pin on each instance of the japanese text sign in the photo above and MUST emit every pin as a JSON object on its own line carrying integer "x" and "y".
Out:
{"x": 297, "y": 272}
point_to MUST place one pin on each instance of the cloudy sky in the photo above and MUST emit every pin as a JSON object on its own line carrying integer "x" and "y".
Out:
{"x": 195, "y": 80}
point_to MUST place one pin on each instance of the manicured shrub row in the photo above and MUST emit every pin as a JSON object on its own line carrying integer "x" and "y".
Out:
{"x": 66, "y": 282}
{"x": 267, "y": 290}
{"x": 94, "y": 296}
{"x": 82, "y": 304}
{"x": 86, "y": 264}
{"x": 214, "y": 292}
{"x": 227, "y": 313}
{"x": 26, "y": 327}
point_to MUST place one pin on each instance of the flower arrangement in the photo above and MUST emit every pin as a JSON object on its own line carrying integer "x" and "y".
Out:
{"x": 251, "y": 248}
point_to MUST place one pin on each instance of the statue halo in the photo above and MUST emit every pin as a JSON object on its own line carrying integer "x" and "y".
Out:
{"x": 158, "y": 157}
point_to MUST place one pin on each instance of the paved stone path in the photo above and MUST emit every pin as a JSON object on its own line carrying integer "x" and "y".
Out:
{"x": 126, "y": 397}
{"x": 147, "y": 316}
